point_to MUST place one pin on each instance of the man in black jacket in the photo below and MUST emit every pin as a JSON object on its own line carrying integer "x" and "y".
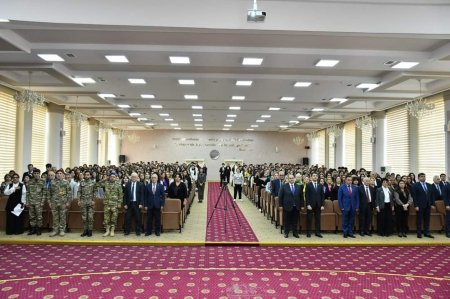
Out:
{"x": 367, "y": 198}
{"x": 133, "y": 202}
{"x": 314, "y": 204}
{"x": 291, "y": 200}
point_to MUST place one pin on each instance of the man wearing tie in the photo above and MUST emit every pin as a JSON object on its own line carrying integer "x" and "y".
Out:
{"x": 366, "y": 203}
{"x": 348, "y": 198}
{"x": 132, "y": 202}
{"x": 275, "y": 186}
{"x": 291, "y": 200}
{"x": 437, "y": 190}
{"x": 421, "y": 193}
{"x": 154, "y": 204}
{"x": 314, "y": 204}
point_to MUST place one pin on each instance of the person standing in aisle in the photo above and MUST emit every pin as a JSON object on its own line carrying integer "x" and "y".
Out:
{"x": 201, "y": 181}
{"x": 238, "y": 180}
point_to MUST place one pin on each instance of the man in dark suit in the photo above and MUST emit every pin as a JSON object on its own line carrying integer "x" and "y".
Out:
{"x": 154, "y": 204}
{"x": 275, "y": 186}
{"x": 291, "y": 200}
{"x": 28, "y": 173}
{"x": 438, "y": 191}
{"x": 227, "y": 173}
{"x": 315, "y": 199}
{"x": 348, "y": 198}
{"x": 421, "y": 193}
{"x": 222, "y": 174}
{"x": 132, "y": 202}
{"x": 367, "y": 197}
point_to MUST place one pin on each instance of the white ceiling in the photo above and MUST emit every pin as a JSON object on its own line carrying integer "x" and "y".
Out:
{"x": 216, "y": 55}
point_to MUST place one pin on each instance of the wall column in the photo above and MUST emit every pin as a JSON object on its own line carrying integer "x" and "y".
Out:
{"x": 339, "y": 151}
{"x": 446, "y": 97}
{"x": 93, "y": 142}
{"x": 24, "y": 125}
{"x": 75, "y": 145}
{"x": 379, "y": 146}
{"x": 358, "y": 148}
{"x": 413, "y": 128}
{"x": 55, "y": 138}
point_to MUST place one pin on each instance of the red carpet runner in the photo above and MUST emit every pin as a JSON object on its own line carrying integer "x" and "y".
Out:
{"x": 49, "y": 271}
{"x": 215, "y": 232}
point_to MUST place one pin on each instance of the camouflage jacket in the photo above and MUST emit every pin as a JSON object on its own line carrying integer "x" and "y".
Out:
{"x": 87, "y": 191}
{"x": 35, "y": 191}
{"x": 60, "y": 191}
{"x": 113, "y": 193}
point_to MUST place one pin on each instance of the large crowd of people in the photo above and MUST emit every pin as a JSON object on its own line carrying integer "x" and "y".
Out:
{"x": 135, "y": 186}
{"x": 145, "y": 185}
{"x": 360, "y": 193}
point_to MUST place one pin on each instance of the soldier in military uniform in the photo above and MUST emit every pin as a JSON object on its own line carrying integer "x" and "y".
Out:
{"x": 112, "y": 200}
{"x": 59, "y": 202}
{"x": 35, "y": 202}
{"x": 86, "y": 201}
{"x": 49, "y": 177}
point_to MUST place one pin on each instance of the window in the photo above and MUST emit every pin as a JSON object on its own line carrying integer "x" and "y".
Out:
{"x": 431, "y": 141}
{"x": 39, "y": 138}
{"x": 84, "y": 142}
{"x": 66, "y": 140}
{"x": 331, "y": 154}
{"x": 349, "y": 145}
{"x": 8, "y": 111}
{"x": 397, "y": 140}
{"x": 366, "y": 150}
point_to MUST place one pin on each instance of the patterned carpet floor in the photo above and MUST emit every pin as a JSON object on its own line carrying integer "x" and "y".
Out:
{"x": 52, "y": 271}
{"x": 224, "y": 225}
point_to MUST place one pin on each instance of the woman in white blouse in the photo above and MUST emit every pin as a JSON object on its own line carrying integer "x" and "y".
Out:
{"x": 15, "y": 205}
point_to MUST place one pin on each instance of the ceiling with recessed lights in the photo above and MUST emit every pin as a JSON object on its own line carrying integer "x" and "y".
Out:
{"x": 237, "y": 78}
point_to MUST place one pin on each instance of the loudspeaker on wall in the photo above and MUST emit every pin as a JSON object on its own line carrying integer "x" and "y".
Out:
{"x": 122, "y": 159}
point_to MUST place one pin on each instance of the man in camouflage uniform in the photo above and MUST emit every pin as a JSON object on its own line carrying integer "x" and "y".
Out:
{"x": 112, "y": 200}
{"x": 59, "y": 202}
{"x": 35, "y": 202}
{"x": 86, "y": 200}
{"x": 50, "y": 176}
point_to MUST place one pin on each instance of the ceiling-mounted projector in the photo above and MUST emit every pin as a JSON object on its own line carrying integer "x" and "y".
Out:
{"x": 255, "y": 15}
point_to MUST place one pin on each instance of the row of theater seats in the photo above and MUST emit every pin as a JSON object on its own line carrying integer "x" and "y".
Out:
{"x": 172, "y": 216}
{"x": 331, "y": 216}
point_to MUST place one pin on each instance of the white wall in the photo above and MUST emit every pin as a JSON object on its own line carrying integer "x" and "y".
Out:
{"x": 252, "y": 147}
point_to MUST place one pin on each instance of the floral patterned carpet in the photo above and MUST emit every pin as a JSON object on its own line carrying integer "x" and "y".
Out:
{"x": 228, "y": 225}
{"x": 80, "y": 271}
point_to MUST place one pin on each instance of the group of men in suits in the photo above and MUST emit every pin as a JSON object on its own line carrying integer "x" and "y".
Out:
{"x": 291, "y": 199}
{"x": 151, "y": 197}
{"x": 365, "y": 199}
